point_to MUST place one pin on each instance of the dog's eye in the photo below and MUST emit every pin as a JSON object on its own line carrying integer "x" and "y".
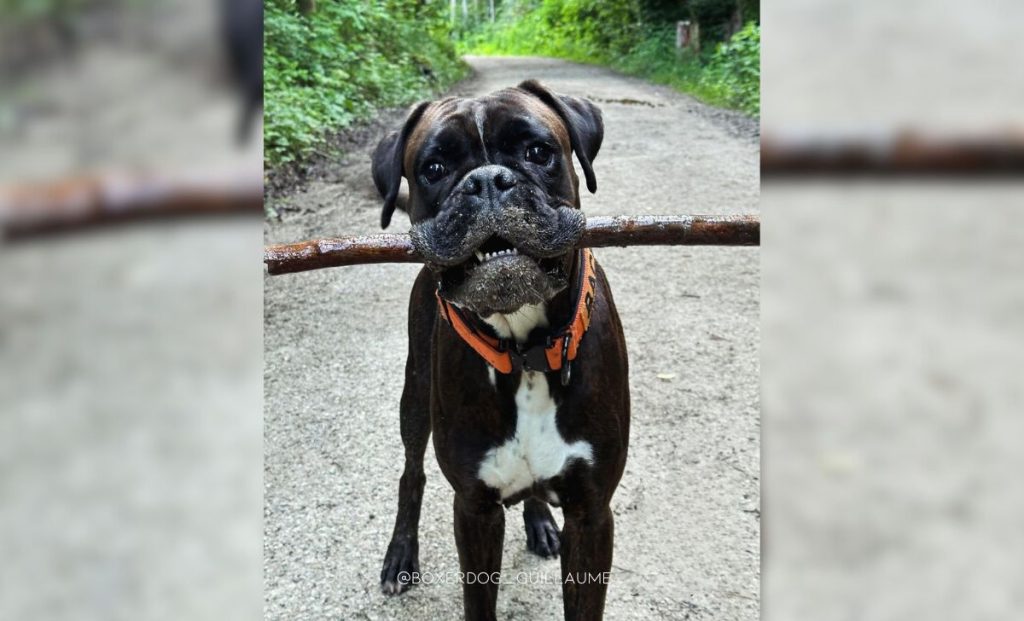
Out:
{"x": 538, "y": 154}
{"x": 434, "y": 171}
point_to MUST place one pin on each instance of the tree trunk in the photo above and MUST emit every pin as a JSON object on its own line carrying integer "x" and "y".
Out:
{"x": 307, "y": 7}
{"x": 490, "y": 5}
{"x": 735, "y": 21}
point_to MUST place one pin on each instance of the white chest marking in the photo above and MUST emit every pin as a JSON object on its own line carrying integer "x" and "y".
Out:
{"x": 519, "y": 323}
{"x": 516, "y": 324}
{"x": 537, "y": 451}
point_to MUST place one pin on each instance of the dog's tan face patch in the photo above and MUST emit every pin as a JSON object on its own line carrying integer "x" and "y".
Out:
{"x": 475, "y": 116}
{"x": 494, "y": 199}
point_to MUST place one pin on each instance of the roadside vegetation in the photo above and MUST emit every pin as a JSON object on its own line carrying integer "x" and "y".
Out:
{"x": 328, "y": 64}
{"x": 637, "y": 37}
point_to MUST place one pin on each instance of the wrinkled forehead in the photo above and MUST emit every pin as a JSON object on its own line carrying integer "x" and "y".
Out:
{"x": 507, "y": 114}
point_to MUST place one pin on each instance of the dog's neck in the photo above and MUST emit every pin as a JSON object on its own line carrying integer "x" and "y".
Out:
{"x": 521, "y": 322}
{"x": 518, "y": 324}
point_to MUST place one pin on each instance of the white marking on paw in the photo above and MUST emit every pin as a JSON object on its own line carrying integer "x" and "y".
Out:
{"x": 537, "y": 451}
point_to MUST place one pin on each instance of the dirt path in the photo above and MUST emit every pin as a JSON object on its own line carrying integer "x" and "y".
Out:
{"x": 687, "y": 510}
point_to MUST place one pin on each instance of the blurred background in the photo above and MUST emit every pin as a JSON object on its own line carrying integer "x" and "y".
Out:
{"x": 892, "y": 318}
{"x": 130, "y": 356}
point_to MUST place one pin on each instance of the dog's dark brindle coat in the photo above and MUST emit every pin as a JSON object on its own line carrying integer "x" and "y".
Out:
{"x": 489, "y": 174}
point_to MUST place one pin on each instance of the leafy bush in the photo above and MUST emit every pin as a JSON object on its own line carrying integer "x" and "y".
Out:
{"x": 636, "y": 37}
{"x": 734, "y": 72}
{"x": 324, "y": 70}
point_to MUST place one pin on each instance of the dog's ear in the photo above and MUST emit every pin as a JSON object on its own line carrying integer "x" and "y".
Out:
{"x": 581, "y": 118}
{"x": 387, "y": 163}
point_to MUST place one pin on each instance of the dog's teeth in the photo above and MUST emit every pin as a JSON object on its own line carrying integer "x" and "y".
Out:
{"x": 479, "y": 256}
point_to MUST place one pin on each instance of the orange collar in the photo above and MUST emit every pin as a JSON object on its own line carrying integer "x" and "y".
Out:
{"x": 558, "y": 350}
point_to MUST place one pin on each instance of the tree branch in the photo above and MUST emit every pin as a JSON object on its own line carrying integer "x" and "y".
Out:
{"x": 33, "y": 209}
{"x": 902, "y": 153}
{"x": 600, "y": 232}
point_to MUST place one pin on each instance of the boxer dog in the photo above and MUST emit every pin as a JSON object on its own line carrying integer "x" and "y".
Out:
{"x": 516, "y": 362}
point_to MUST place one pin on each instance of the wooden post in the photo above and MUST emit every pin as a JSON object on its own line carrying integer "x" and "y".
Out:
{"x": 688, "y": 36}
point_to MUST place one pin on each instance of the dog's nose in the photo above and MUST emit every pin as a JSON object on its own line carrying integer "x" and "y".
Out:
{"x": 489, "y": 182}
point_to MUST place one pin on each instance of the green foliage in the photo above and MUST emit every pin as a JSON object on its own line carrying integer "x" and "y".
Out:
{"x": 655, "y": 58}
{"x": 734, "y": 72}
{"x": 713, "y": 16}
{"x": 636, "y": 37}
{"x": 325, "y": 70}
{"x": 573, "y": 29}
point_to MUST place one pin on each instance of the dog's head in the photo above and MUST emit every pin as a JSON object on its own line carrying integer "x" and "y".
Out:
{"x": 493, "y": 196}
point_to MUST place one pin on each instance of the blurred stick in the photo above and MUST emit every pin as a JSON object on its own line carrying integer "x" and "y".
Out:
{"x": 619, "y": 231}
{"x": 903, "y": 153}
{"x": 34, "y": 209}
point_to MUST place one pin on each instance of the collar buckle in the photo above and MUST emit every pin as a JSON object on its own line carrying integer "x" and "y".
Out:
{"x": 533, "y": 358}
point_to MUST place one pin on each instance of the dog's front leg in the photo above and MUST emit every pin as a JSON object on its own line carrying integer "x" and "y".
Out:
{"x": 401, "y": 562}
{"x": 479, "y": 535}
{"x": 586, "y": 562}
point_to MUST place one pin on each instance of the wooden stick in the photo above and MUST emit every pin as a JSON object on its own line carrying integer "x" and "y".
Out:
{"x": 33, "y": 209}
{"x": 901, "y": 153}
{"x": 315, "y": 254}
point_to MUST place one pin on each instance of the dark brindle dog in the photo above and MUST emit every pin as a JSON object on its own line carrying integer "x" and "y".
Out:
{"x": 517, "y": 361}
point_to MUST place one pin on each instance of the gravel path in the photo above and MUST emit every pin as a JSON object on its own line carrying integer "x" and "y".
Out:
{"x": 687, "y": 510}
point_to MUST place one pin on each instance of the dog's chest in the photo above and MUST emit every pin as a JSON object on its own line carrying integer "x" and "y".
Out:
{"x": 537, "y": 451}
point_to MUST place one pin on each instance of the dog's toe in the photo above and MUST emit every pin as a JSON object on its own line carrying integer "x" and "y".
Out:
{"x": 542, "y": 536}
{"x": 544, "y": 542}
{"x": 401, "y": 567}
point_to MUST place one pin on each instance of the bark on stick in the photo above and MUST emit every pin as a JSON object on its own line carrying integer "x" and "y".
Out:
{"x": 314, "y": 254}
{"x": 901, "y": 153}
{"x": 29, "y": 210}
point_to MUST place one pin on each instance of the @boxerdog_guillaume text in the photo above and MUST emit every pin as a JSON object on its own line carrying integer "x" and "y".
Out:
{"x": 497, "y": 577}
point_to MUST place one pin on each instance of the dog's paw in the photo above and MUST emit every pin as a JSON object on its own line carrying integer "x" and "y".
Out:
{"x": 401, "y": 566}
{"x": 542, "y": 536}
